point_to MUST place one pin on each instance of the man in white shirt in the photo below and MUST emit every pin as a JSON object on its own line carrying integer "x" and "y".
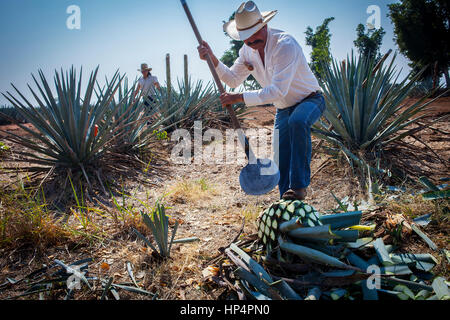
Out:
{"x": 277, "y": 62}
{"x": 147, "y": 84}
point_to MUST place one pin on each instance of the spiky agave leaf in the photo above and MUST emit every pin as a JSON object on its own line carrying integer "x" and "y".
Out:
{"x": 65, "y": 135}
{"x": 192, "y": 101}
{"x": 8, "y": 114}
{"x": 137, "y": 120}
{"x": 186, "y": 105}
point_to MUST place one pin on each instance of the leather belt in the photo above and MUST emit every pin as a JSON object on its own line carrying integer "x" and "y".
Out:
{"x": 312, "y": 94}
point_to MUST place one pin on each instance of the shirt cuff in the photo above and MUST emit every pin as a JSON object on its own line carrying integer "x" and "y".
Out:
{"x": 221, "y": 69}
{"x": 251, "y": 98}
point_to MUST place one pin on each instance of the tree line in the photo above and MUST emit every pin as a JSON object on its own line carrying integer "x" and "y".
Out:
{"x": 421, "y": 32}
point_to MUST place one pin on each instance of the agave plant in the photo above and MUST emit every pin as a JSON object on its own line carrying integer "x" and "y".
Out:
{"x": 192, "y": 101}
{"x": 71, "y": 132}
{"x": 188, "y": 104}
{"x": 366, "y": 109}
{"x": 158, "y": 223}
{"x": 131, "y": 114}
{"x": 9, "y": 114}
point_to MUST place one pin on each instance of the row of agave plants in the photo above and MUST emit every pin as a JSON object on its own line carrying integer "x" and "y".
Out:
{"x": 84, "y": 130}
{"x": 368, "y": 111}
{"x": 12, "y": 115}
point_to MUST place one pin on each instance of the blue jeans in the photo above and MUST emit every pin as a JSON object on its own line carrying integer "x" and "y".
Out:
{"x": 292, "y": 142}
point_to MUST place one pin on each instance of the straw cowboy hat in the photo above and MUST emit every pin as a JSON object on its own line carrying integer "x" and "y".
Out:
{"x": 248, "y": 20}
{"x": 144, "y": 67}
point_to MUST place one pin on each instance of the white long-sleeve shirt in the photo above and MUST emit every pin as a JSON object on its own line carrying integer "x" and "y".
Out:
{"x": 286, "y": 77}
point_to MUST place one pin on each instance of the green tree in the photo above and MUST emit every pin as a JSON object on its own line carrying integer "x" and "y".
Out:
{"x": 320, "y": 43}
{"x": 232, "y": 54}
{"x": 369, "y": 43}
{"x": 422, "y": 33}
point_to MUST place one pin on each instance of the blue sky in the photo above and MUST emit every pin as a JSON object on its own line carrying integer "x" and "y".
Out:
{"x": 122, "y": 34}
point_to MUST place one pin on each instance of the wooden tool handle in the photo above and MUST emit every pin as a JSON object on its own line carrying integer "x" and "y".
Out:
{"x": 242, "y": 137}
{"x": 230, "y": 109}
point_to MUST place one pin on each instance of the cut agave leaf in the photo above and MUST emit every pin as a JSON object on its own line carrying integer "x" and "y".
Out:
{"x": 441, "y": 288}
{"x": 424, "y": 262}
{"x": 382, "y": 253}
{"x": 314, "y": 294}
{"x": 311, "y": 254}
{"x": 133, "y": 289}
{"x": 404, "y": 292}
{"x": 422, "y": 295}
{"x": 427, "y": 183}
{"x": 334, "y": 251}
{"x": 424, "y": 220}
{"x": 186, "y": 240}
{"x": 359, "y": 243}
{"x": 291, "y": 225}
{"x": 374, "y": 260}
{"x": 316, "y": 232}
{"x": 434, "y": 195}
{"x": 347, "y": 235}
{"x": 342, "y": 220}
{"x": 400, "y": 269}
{"x": 339, "y": 273}
{"x": 363, "y": 228}
{"x": 356, "y": 260}
{"x": 338, "y": 293}
{"x": 425, "y": 238}
{"x": 259, "y": 296}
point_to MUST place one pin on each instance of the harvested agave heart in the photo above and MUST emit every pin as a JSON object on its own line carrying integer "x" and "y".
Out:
{"x": 282, "y": 214}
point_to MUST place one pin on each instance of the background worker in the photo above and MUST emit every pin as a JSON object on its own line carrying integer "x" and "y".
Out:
{"x": 147, "y": 84}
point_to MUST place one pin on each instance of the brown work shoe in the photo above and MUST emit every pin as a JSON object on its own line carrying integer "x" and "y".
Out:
{"x": 299, "y": 194}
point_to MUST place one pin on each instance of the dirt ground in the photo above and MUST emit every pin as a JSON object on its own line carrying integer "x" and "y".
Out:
{"x": 210, "y": 205}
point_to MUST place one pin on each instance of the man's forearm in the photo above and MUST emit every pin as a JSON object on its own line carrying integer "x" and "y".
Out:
{"x": 215, "y": 61}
